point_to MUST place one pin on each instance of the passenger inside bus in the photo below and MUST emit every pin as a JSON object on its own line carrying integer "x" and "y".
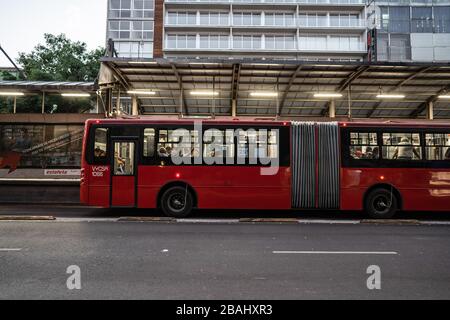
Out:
{"x": 365, "y": 152}
{"x": 162, "y": 152}
{"x": 99, "y": 153}
{"x": 119, "y": 165}
{"x": 405, "y": 151}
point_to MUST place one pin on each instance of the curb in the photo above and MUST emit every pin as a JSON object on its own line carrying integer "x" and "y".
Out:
{"x": 269, "y": 220}
{"x": 393, "y": 222}
{"x": 261, "y": 221}
{"x": 27, "y": 218}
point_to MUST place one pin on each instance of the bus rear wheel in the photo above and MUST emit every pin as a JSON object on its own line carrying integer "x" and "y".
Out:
{"x": 177, "y": 202}
{"x": 381, "y": 204}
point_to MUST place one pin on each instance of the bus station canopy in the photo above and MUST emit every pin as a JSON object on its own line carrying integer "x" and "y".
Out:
{"x": 285, "y": 88}
{"x": 47, "y": 86}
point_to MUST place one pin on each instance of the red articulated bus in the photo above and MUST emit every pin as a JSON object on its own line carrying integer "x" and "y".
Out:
{"x": 178, "y": 165}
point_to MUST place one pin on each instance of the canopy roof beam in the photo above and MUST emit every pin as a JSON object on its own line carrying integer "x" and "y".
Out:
{"x": 288, "y": 88}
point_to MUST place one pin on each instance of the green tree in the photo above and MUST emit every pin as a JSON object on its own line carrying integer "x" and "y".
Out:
{"x": 7, "y": 76}
{"x": 61, "y": 59}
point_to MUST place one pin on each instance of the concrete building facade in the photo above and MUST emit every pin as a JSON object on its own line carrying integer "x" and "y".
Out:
{"x": 409, "y": 30}
{"x": 282, "y": 29}
{"x": 130, "y": 25}
{"x": 309, "y": 30}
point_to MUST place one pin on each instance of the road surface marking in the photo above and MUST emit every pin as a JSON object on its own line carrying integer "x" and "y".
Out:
{"x": 10, "y": 249}
{"x": 339, "y": 252}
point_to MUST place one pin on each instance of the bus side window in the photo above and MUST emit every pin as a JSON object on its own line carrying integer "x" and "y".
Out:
{"x": 149, "y": 143}
{"x": 101, "y": 143}
{"x": 402, "y": 146}
{"x": 437, "y": 146}
{"x": 364, "y": 145}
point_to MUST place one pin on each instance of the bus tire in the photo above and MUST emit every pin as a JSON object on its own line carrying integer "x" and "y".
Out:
{"x": 177, "y": 202}
{"x": 381, "y": 204}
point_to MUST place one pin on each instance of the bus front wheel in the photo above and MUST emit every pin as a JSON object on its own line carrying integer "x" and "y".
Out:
{"x": 177, "y": 202}
{"x": 381, "y": 204}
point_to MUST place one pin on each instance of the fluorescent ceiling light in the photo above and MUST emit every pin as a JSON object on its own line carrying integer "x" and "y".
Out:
{"x": 12, "y": 94}
{"x": 204, "y": 93}
{"x": 142, "y": 92}
{"x": 444, "y": 96}
{"x": 264, "y": 94}
{"x": 328, "y": 95}
{"x": 75, "y": 95}
{"x": 143, "y": 62}
{"x": 391, "y": 96}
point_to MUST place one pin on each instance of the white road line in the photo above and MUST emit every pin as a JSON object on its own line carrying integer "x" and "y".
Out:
{"x": 339, "y": 252}
{"x": 10, "y": 249}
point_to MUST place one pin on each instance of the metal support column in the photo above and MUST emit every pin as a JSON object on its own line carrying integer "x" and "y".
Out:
{"x": 43, "y": 102}
{"x": 15, "y": 105}
{"x": 135, "y": 106}
{"x": 332, "y": 110}
{"x": 430, "y": 110}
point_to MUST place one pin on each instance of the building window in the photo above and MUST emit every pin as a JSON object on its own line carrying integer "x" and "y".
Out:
{"x": 402, "y": 146}
{"x": 131, "y": 9}
{"x": 280, "y": 42}
{"x": 441, "y": 19}
{"x": 136, "y": 49}
{"x": 213, "y": 41}
{"x": 344, "y": 20}
{"x": 214, "y": 18}
{"x": 182, "y": 17}
{"x": 400, "y": 47}
{"x": 142, "y": 30}
{"x": 422, "y": 20}
{"x": 279, "y": 19}
{"x": 247, "y": 18}
{"x": 344, "y": 43}
{"x": 313, "y": 42}
{"x": 181, "y": 41}
{"x": 437, "y": 146}
{"x": 399, "y": 19}
{"x": 246, "y": 42}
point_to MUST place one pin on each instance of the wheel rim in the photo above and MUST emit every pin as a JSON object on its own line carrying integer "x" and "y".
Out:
{"x": 381, "y": 204}
{"x": 176, "y": 202}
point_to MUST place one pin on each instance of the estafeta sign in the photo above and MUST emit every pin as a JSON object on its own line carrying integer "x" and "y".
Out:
{"x": 62, "y": 172}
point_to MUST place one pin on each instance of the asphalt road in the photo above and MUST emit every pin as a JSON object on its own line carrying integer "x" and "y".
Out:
{"x": 73, "y": 211}
{"x": 123, "y": 260}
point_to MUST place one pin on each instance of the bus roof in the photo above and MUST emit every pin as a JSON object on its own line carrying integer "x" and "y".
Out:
{"x": 271, "y": 121}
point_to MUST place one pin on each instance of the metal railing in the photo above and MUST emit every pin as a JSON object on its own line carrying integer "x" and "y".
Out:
{"x": 414, "y": 25}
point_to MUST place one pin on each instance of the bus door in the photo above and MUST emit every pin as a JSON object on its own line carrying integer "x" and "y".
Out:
{"x": 124, "y": 173}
